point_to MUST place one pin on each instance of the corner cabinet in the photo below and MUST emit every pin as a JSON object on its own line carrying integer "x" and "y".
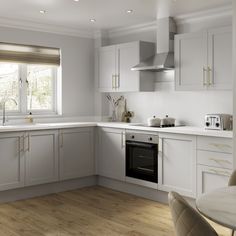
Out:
{"x": 12, "y": 165}
{"x": 115, "y": 63}
{"x": 41, "y": 153}
{"x": 177, "y": 164}
{"x": 111, "y": 158}
{"x": 76, "y": 153}
{"x": 203, "y": 60}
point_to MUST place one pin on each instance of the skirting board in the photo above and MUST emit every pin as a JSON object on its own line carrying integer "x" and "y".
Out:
{"x": 45, "y": 189}
{"x": 140, "y": 191}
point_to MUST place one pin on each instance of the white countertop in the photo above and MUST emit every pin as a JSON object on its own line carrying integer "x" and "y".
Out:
{"x": 176, "y": 130}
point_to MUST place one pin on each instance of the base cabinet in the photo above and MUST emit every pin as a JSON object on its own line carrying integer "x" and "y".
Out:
{"x": 177, "y": 164}
{"x": 11, "y": 161}
{"x": 41, "y": 157}
{"x": 211, "y": 178}
{"x": 111, "y": 160}
{"x": 76, "y": 153}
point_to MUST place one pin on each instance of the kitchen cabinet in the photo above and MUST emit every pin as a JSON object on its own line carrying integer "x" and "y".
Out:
{"x": 203, "y": 60}
{"x": 41, "y": 157}
{"x": 11, "y": 161}
{"x": 111, "y": 158}
{"x": 210, "y": 178}
{"x": 115, "y": 63}
{"x": 76, "y": 153}
{"x": 177, "y": 164}
{"x": 214, "y": 163}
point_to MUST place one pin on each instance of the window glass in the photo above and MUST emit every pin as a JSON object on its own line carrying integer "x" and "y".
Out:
{"x": 40, "y": 87}
{"x": 9, "y": 85}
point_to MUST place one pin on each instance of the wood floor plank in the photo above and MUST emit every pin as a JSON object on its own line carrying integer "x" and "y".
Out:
{"x": 92, "y": 211}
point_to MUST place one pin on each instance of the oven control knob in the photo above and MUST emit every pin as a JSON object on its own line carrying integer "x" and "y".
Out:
{"x": 132, "y": 136}
{"x": 207, "y": 124}
{"x": 217, "y": 125}
{"x": 150, "y": 139}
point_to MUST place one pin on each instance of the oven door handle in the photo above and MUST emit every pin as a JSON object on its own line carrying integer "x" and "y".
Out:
{"x": 139, "y": 144}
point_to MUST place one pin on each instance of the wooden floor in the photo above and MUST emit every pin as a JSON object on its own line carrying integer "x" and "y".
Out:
{"x": 90, "y": 211}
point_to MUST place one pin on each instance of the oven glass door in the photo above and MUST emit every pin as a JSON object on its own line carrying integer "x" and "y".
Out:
{"x": 141, "y": 160}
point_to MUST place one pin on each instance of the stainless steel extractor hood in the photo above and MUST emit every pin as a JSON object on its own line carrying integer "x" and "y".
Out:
{"x": 164, "y": 58}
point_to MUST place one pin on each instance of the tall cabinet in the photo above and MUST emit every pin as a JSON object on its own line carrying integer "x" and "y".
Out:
{"x": 203, "y": 60}
{"x": 116, "y": 62}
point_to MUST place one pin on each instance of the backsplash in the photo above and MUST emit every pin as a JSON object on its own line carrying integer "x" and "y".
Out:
{"x": 189, "y": 108}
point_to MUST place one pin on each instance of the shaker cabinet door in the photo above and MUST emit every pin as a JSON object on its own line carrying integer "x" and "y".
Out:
{"x": 177, "y": 164}
{"x": 11, "y": 161}
{"x": 76, "y": 153}
{"x": 41, "y": 157}
{"x": 107, "y": 69}
{"x": 220, "y": 58}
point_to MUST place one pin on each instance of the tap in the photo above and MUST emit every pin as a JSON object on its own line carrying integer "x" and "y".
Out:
{"x": 3, "y": 105}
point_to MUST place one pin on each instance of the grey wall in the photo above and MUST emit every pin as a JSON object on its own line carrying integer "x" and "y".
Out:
{"x": 77, "y": 66}
{"x": 188, "y": 107}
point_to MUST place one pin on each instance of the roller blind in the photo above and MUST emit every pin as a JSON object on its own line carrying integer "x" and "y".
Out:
{"x": 29, "y": 54}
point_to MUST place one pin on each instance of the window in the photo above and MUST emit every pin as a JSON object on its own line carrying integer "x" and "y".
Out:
{"x": 28, "y": 75}
{"x": 33, "y": 87}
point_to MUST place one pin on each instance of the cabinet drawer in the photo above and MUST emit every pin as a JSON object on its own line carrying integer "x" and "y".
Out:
{"x": 215, "y": 159}
{"x": 215, "y": 144}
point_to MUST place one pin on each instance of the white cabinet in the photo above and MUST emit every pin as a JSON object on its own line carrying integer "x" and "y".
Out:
{"x": 107, "y": 68}
{"x": 220, "y": 58}
{"x": 111, "y": 160}
{"x": 214, "y": 163}
{"x": 115, "y": 63}
{"x": 203, "y": 60}
{"x": 41, "y": 157}
{"x": 177, "y": 164}
{"x": 76, "y": 153}
{"x": 11, "y": 161}
{"x": 211, "y": 178}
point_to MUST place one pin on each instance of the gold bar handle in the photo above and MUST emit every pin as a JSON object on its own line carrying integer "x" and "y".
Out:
{"x": 209, "y": 76}
{"x": 205, "y": 83}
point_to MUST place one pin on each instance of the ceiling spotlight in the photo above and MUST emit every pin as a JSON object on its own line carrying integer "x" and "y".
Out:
{"x": 93, "y": 20}
{"x": 129, "y": 11}
{"x": 76, "y": 0}
{"x": 42, "y": 11}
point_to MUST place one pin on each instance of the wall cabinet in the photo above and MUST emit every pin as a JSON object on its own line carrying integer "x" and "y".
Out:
{"x": 76, "y": 153}
{"x": 177, "y": 164}
{"x": 214, "y": 163}
{"x": 203, "y": 60}
{"x": 115, "y": 63}
{"x": 12, "y": 166}
{"x": 41, "y": 157}
{"x": 111, "y": 159}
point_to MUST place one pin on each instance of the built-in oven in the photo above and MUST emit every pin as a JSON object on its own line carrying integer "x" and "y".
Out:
{"x": 142, "y": 156}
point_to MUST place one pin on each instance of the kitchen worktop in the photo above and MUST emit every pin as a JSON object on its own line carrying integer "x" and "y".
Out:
{"x": 177, "y": 130}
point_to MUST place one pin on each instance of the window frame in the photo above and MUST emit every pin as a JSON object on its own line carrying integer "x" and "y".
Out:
{"x": 22, "y": 84}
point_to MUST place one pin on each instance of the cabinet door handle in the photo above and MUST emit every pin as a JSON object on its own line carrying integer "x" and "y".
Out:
{"x": 218, "y": 145}
{"x": 61, "y": 140}
{"x": 160, "y": 146}
{"x": 205, "y": 83}
{"x": 118, "y": 81}
{"x": 220, "y": 172}
{"x": 23, "y": 143}
{"x": 220, "y": 161}
{"x": 28, "y": 142}
{"x": 209, "y": 76}
{"x": 123, "y": 139}
{"x": 113, "y": 82}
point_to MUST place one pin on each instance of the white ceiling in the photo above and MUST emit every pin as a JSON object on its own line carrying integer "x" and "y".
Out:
{"x": 108, "y": 13}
